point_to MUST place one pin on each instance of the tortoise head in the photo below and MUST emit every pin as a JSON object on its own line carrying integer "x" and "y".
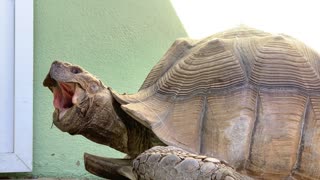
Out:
{"x": 83, "y": 105}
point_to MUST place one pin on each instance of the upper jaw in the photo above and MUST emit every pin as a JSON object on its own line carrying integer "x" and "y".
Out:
{"x": 49, "y": 82}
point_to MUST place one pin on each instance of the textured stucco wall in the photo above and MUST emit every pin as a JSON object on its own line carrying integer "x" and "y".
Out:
{"x": 117, "y": 40}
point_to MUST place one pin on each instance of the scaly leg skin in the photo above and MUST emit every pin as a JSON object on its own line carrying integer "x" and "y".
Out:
{"x": 120, "y": 169}
{"x": 174, "y": 163}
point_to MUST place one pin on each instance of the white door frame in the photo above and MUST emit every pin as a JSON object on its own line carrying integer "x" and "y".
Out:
{"x": 20, "y": 160}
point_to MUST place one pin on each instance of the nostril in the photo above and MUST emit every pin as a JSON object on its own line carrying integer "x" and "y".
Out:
{"x": 56, "y": 63}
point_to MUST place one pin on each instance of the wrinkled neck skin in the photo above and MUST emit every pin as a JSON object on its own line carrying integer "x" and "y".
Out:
{"x": 103, "y": 121}
{"x": 140, "y": 138}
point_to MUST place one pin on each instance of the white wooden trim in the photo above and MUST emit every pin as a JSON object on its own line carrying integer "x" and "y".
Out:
{"x": 20, "y": 160}
{"x": 6, "y": 74}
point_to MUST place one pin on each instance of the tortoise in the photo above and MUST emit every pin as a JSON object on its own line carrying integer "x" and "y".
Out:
{"x": 248, "y": 99}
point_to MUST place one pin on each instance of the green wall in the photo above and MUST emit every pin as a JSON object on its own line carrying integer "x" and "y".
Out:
{"x": 117, "y": 40}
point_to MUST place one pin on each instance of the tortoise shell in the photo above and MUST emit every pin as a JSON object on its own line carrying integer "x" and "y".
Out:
{"x": 246, "y": 96}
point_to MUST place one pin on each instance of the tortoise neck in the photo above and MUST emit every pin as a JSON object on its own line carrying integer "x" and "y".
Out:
{"x": 106, "y": 127}
{"x": 140, "y": 138}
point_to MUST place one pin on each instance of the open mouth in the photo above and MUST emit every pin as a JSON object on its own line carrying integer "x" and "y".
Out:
{"x": 63, "y": 94}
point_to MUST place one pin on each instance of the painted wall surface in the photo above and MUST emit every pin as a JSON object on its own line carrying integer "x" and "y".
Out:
{"x": 118, "y": 41}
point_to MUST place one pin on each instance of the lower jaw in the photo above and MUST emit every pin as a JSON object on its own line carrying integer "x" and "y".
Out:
{"x": 60, "y": 122}
{"x": 67, "y": 120}
{"x": 62, "y": 113}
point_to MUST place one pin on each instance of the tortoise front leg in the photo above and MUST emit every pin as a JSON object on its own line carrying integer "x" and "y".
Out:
{"x": 174, "y": 163}
{"x": 110, "y": 168}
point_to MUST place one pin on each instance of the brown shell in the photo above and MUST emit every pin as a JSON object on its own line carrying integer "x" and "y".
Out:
{"x": 246, "y": 96}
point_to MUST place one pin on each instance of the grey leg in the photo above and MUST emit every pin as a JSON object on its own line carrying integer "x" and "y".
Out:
{"x": 109, "y": 167}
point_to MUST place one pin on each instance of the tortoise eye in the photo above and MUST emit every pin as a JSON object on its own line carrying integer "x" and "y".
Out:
{"x": 76, "y": 70}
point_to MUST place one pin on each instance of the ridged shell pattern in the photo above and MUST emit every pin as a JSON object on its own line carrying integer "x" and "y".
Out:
{"x": 243, "y": 95}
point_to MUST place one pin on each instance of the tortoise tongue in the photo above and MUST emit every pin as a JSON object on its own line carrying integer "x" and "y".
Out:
{"x": 63, "y": 96}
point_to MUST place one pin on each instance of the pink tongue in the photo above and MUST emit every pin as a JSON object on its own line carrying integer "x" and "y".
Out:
{"x": 57, "y": 99}
{"x": 66, "y": 101}
{"x": 62, "y": 99}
